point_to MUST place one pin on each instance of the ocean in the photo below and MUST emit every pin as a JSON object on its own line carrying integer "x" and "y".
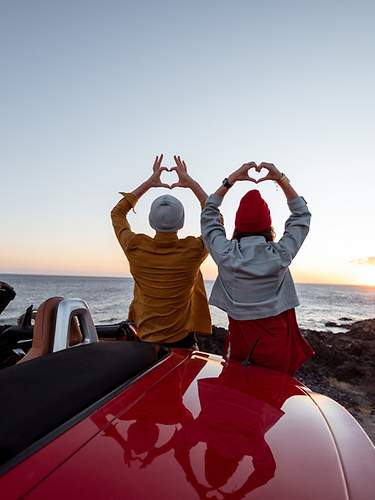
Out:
{"x": 109, "y": 298}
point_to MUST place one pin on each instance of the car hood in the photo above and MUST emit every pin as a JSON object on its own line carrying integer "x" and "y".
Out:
{"x": 206, "y": 429}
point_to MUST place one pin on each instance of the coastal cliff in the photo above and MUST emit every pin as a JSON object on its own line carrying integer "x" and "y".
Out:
{"x": 343, "y": 367}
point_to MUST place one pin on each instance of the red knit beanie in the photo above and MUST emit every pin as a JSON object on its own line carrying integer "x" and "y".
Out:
{"x": 253, "y": 214}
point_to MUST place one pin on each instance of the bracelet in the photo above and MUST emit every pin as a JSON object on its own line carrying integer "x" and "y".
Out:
{"x": 283, "y": 179}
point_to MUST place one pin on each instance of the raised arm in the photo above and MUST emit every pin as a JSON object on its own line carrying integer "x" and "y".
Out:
{"x": 185, "y": 181}
{"x": 298, "y": 224}
{"x": 119, "y": 212}
{"x": 212, "y": 226}
{"x": 296, "y": 227}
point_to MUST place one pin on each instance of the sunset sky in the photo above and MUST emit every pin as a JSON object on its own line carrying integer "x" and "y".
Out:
{"x": 91, "y": 91}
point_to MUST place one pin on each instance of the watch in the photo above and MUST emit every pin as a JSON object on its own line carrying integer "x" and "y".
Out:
{"x": 226, "y": 183}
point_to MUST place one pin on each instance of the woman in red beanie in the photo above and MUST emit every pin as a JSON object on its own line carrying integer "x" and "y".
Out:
{"x": 254, "y": 285}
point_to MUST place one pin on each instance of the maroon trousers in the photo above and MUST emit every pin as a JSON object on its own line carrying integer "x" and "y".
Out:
{"x": 273, "y": 342}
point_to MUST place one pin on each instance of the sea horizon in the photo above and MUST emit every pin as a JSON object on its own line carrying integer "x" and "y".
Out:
{"x": 109, "y": 297}
{"x": 97, "y": 276}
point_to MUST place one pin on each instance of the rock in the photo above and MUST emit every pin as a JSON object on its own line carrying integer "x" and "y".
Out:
{"x": 348, "y": 371}
{"x": 364, "y": 329}
{"x": 332, "y": 324}
{"x": 344, "y": 369}
{"x": 213, "y": 343}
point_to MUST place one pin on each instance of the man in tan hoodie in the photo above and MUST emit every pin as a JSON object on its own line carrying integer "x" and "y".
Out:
{"x": 169, "y": 302}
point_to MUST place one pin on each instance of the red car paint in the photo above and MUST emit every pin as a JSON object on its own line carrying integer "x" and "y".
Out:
{"x": 196, "y": 427}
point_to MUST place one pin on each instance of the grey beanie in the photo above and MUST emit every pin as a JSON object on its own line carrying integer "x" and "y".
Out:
{"x": 166, "y": 214}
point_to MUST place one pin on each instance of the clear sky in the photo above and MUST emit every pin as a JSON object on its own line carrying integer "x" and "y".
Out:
{"x": 92, "y": 90}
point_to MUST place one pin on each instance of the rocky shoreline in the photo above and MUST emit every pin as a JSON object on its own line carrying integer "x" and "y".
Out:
{"x": 343, "y": 367}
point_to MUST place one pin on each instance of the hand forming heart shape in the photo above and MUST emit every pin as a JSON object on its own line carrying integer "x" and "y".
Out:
{"x": 259, "y": 174}
{"x": 273, "y": 173}
{"x": 242, "y": 174}
{"x": 155, "y": 180}
{"x": 184, "y": 180}
{"x": 169, "y": 176}
{"x": 266, "y": 171}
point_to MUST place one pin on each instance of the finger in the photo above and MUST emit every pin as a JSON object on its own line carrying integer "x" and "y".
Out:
{"x": 251, "y": 179}
{"x": 177, "y": 160}
{"x": 184, "y": 164}
{"x": 267, "y": 166}
{"x": 165, "y": 185}
{"x": 177, "y": 169}
{"x": 175, "y": 185}
{"x": 262, "y": 179}
{"x": 161, "y": 159}
{"x": 163, "y": 169}
{"x": 252, "y": 164}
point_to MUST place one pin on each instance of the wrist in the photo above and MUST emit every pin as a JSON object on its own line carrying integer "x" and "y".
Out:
{"x": 283, "y": 180}
{"x": 191, "y": 182}
{"x": 150, "y": 182}
{"x": 231, "y": 179}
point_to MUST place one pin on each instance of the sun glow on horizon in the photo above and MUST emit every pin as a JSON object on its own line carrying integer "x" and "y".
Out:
{"x": 360, "y": 276}
{"x": 357, "y": 275}
{"x": 109, "y": 261}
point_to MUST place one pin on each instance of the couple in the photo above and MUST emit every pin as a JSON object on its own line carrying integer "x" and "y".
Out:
{"x": 254, "y": 285}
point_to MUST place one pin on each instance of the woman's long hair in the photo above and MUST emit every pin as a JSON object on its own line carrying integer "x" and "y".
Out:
{"x": 268, "y": 233}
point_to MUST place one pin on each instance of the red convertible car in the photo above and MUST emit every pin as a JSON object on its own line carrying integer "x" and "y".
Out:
{"x": 88, "y": 416}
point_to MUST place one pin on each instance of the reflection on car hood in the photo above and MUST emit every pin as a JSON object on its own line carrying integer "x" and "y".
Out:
{"x": 206, "y": 429}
